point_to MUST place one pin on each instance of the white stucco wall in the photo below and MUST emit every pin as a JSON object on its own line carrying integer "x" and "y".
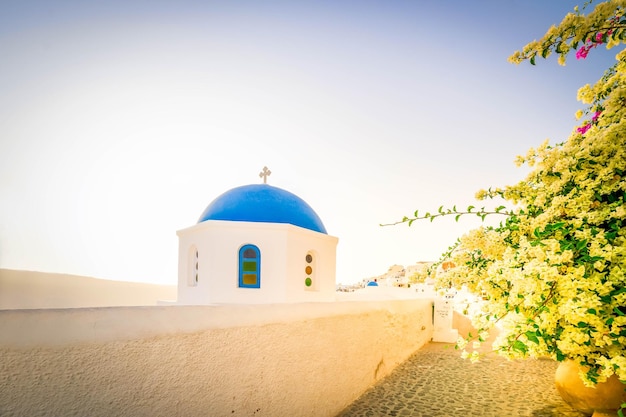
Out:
{"x": 323, "y": 247}
{"x": 309, "y": 359}
{"x": 283, "y": 248}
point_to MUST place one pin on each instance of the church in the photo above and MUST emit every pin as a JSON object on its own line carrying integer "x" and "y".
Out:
{"x": 256, "y": 244}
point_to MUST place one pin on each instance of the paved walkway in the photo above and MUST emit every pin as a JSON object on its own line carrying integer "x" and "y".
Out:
{"x": 436, "y": 382}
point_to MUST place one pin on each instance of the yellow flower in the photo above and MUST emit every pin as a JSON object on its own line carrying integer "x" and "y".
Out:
{"x": 461, "y": 343}
{"x": 579, "y": 114}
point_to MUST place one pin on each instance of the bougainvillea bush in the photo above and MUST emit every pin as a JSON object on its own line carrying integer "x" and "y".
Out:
{"x": 552, "y": 274}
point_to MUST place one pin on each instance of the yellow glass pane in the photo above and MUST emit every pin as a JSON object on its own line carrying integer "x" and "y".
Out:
{"x": 249, "y": 279}
{"x": 308, "y": 270}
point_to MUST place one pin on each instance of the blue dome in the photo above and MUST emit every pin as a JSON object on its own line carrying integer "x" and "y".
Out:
{"x": 263, "y": 203}
{"x": 372, "y": 284}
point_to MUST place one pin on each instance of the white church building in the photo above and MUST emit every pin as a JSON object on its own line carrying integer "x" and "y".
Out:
{"x": 256, "y": 244}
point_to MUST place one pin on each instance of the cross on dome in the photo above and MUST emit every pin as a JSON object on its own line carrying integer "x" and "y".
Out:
{"x": 264, "y": 174}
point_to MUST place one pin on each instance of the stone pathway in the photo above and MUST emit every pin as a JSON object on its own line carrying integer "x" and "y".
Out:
{"x": 436, "y": 382}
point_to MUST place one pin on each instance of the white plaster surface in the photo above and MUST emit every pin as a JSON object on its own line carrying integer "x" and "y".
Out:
{"x": 283, "y": 249}
{"x": 443, "y": 315}
{"x": 309, "y": 359}
{"x": 383, "y": 293}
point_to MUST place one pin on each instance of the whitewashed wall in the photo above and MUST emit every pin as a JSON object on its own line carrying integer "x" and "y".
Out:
{"x": 310, "y": 359}
{"x": 283, "y": 248}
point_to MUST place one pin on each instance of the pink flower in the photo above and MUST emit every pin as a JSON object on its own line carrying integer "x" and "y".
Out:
{"x": 582, "y": 52}
{"x": 595, "y": 116}
{"x": 590, "y": 43}
{"x": 584, "y": 128}
{"x": 594, "y": 120}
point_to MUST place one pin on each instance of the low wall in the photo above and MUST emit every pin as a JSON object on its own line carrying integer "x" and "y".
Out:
{"x": 28, "y": 289}
{"x": 268, "y": 360}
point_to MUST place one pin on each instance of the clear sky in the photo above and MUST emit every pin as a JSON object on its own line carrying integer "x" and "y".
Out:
{"x": 120, "y": 121}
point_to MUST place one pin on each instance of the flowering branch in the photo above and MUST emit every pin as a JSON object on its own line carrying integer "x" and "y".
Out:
{"x": 606, "y": 24}
{"x": 441, "y": 212}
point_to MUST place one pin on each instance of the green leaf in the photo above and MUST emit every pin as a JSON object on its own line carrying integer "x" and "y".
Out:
{"x": 520, "y": 346}
{"x": 470, "y": 208}
{"x": 532, "y": 60}
{"x": 557, "y": 226}
{"x": 456, "y": 218}
{"x": 618, "y": 311}
{"x": 592, "y": 311}
{"x": 532, "y": 336}
{"x": 440, "y": 210}
{"x": 618, "y": 291}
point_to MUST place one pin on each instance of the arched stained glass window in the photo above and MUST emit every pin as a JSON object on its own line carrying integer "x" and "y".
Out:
{"x": 249, "y": 267}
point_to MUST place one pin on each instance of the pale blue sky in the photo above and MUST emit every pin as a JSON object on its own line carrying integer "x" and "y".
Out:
{"x": 121, "y": 121}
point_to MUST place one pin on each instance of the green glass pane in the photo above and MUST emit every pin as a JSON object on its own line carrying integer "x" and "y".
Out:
{"x": 308, "y": 282}
{"x": 249, "y": 279}
{"x": 249, "y": 266}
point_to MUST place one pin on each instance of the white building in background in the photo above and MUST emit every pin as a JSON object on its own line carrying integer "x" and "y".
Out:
{"x": 256, "y": 244}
